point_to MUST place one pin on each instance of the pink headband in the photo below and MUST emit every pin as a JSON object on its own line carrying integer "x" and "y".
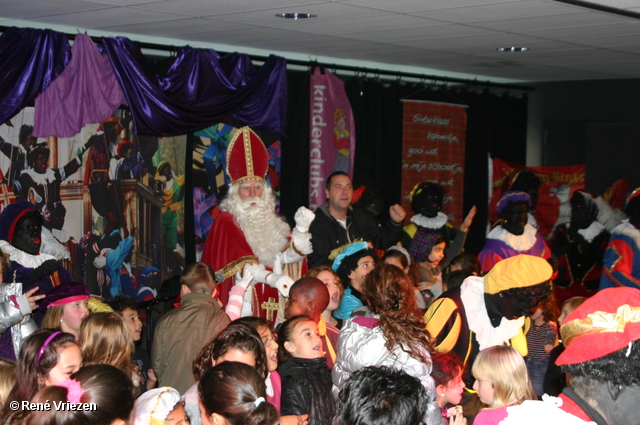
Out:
{"x": 68, "y": 300}
{"x": 46, "y": 343}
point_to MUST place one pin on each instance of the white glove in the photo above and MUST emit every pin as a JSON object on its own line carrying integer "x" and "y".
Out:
{"x": 303, "y": 217}
{"x": 244, "y": 278}
{"x": 262, "y": 275}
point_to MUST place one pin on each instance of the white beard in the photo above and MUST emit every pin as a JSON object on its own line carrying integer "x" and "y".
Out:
{"x": 266, "y": 233}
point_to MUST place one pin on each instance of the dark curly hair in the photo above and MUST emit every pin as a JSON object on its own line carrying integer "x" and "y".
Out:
{"x": 381, "y": 396}
{"x": 526, "y": 181}
{"x": 121, "y": 302}
{"x": 616, "y": 368}
{"x": 424, "y": 190}
{"x": 350, "y": 263}
{"x": 389, "y": 293}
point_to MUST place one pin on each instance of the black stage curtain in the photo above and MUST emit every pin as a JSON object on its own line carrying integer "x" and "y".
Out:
{"x": 495, "y": 125}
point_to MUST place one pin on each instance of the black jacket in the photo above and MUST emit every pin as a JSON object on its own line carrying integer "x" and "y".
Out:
{"x": 327, "y": 233}
{"x": 306, "y": 389}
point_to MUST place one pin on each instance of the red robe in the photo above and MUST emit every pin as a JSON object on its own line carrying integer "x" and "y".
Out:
{"x": 226, "y": 245}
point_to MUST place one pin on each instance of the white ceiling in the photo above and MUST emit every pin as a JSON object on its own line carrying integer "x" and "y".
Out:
{"x": 451, "y": 37}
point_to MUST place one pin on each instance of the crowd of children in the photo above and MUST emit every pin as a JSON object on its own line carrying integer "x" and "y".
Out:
{"x": 351, "y": 345}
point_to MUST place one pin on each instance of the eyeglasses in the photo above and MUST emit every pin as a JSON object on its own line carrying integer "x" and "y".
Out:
{"x": 269, "y": 342}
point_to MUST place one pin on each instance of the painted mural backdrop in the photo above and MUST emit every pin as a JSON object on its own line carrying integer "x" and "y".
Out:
{"x": 112, "y": 201}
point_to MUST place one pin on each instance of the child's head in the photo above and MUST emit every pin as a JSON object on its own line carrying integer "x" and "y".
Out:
{"x": 298, "y": 337}
{"x": 389, "y": 294}
{"x": 333, "y": 282}
{"x": 108, "y": 388}
{"x": 428, "y": 247}
{"x": 467, "y": 262}
{"x": 308, "y": 296}
{"x": 47, "y": 357}
{"x": 235, "y": 394}
{"x": 127, "y": 309}
{"x": 382, "y": 396}
{"x": 501, "y": 377}
{"x": 66, "y": 307}
{"x": 159, "y": 406}
{"x": 7, "y": 379}
{"x": 237, "y": 343}
{"x": 447, "y": 374}
{"x": 400, "y": 257}
{"x": 568, "y": 306}
{"x": 354, "y": 263}
{"x": 105, "y": 339}
{"x": 269, "y": 340}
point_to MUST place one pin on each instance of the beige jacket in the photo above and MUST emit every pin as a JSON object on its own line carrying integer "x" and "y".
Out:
{"x": 180, "y": 335}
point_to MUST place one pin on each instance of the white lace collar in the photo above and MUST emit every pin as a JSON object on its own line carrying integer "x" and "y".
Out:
{"x": 472, "y": 296}
{"x": 44, "y": 178}
{"x": 521, "y": 242}
{"x": 629, "y": 230}
{"x": 430, "y": 223}
{"x": 22, "y": 258}
{"x": 594, "y": 229}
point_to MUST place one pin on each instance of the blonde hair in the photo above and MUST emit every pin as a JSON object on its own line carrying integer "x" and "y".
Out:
{"x": 505, "y": 368}
{"x": 52, "y": 317}
{"x": 7, "y": 379}
{"x": 105, "y": 339}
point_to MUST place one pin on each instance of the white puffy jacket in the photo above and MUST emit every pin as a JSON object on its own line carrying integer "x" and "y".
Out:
{"x": 362, "y": 344}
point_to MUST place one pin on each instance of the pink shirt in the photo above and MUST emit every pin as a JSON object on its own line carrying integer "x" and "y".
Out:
{"x": 490, "y": 416}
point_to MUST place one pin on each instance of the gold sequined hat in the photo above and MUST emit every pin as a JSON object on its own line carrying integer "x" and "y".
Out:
{"x": 247, "y": 157}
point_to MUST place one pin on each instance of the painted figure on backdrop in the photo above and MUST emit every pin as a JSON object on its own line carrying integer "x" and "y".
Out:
{"x": 248, "y": 236}
{"x": 18, "y": 154}
{"x": 173, "y": 189}
{"x": 40, "y": 184}
{"x": 104, "y": 146}
{"x": 128, "y": 164}
{"x": 341, "y": 141}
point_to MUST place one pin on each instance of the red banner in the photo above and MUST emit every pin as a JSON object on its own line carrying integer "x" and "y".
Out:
{"x": 433, "y": 144}
{"x": 333, "y": 133}
{"x": 558, "y": 183}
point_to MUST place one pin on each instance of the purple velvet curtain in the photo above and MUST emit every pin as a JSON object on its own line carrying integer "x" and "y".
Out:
{"x": 30, "y": 59}
{"x": 200, "y": 89}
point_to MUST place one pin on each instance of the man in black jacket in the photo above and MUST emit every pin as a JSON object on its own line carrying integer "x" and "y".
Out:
{"x": 337, "y": 223}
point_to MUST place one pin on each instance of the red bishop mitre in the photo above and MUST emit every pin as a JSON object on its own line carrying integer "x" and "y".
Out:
{"x": 246, "y": 157}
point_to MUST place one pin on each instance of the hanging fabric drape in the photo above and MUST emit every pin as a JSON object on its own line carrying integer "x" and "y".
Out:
{"x": 200, "y": 89}
{"x": 87, "y": 91}
{"x": 30, "y": 59}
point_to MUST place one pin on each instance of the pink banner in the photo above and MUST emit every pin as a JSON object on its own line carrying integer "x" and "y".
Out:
{"x": 333, "y": 133}
{"x": 433, "y": 145}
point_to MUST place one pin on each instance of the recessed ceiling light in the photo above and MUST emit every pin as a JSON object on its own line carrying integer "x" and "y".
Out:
{"x": 291, "y": 15}
{"x": 512, "y": 49}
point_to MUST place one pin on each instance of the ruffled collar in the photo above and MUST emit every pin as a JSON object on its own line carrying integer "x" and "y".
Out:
{"x": 430, "y": 222}
{"x": 45, "y": 178}
{"x": 472, "y": 296}
{"x": 629, "y": 230}
{"x": 22, "y": 258}
{"x": 594, "y": 229}
{"x": 521, "y": 242}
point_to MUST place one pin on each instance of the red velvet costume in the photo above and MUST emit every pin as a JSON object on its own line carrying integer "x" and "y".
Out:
{"x": 226, "y": 246}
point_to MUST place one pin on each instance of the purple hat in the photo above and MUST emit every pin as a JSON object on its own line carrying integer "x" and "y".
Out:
{"x": 422, "y": 244}
{"x": 11, "y": 215}
{"x": 512, "y": 196}
{"x": 65, "y": 293}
